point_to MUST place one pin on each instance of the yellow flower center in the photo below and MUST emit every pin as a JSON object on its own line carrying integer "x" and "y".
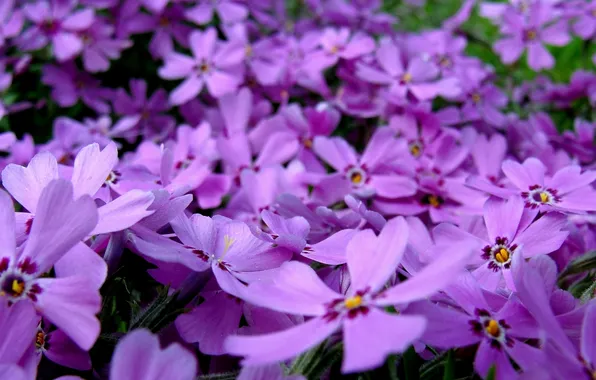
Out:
{"x": 493, "y": 329}
{"x": 40, "y": 339}
{"x": 353, "y": 302}
{"x": 502, "y": 256}
{"x": 17, "y": 287}
{"x": 433, "y": 200}
{"x": 415, "y": 150}
{"x": 445, "y": 61}
{"x": 531, "y": 35}
{"x": 356, "y": 178}
{"x": 204, "y": 67}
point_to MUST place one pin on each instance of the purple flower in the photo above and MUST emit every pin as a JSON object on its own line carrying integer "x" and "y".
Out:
{"x": 93, "y": 169}
{"x": 56, "y": 22}
{"x": 366, "y": 176}
{"x": 568, "y": 190}
{"x": 417, "y": 77}
{"x": 99, "y": 46}
{"x": 585, "y": 24}
{"x": 144, "y": 116}
{"x": 167, "y": 25}
{"x": 70, "y": 302}
{"x": 59, "y": 348}
{"x": 364, "y": 15}
{"x": 483, "y": 102}
{"x": 499, "y": 330}
{"x": 541, "y": 25}
{"x": 510, "y": 230}
{"x": 228, "y": 10}
{"x": 264, "y": 57}
{"x": 234, "y": 255}
{"x": 370, "y": 333}
{"x": 11, "y": 21}
{"x": 16, "y": 322}
{"x": 339, "y": 44}
{"x": 138, "y": 356}
{"x": 69, "y": 84}
{"x": 209, "y": 66}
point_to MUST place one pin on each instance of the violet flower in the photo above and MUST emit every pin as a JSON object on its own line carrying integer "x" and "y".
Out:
{"x": 370, "y": 333}
{"x": 56, "y": 22}
{"x": 70, "y": 302}
{"x": 228, "y": 10}
{"x": 209, "y": 66}
{"x": 11, "y": 21}
{"x": 138, "y": 356}
{"x": 99, "y": 46}
{"x": 417, "y": 77}
{"x": 568, "y": 190}
{"x": 146, "y": 116}
{"x": 541, "y": 26}
{"x": 500, "y": 331}
{"x": 510, "y": 230}
{"x": 69, "y": 85}
{"x": 366, "y": 176}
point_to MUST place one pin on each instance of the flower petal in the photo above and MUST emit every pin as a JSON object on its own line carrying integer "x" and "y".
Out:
{"x": 370, "y": 338}
{"x": 283, "y": 345}
{"x": 59, "y": 224}
{"x": 372, "y": 260}
{"x": 71, "y": 304}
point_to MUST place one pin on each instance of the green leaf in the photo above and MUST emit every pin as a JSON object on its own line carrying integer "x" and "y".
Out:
{"x": 582, "y": 264}
{"x": 307, "y": 360}
{"x": 449, "y": 373}
{"x": 588, "y": 294}
{"x": 491, "y": 373}
{"x": 219, "y": 376}
{"x": 161, "y": 312}
{"x": 411, "y": 362}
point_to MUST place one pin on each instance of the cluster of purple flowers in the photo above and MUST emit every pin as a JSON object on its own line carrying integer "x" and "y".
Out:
{"x": 299, "y": 183}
